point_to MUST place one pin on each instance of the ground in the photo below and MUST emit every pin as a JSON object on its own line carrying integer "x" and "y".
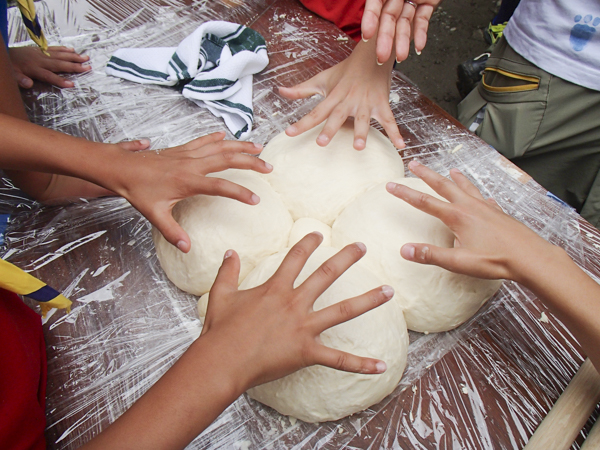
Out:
{"x": 455, "y": 35}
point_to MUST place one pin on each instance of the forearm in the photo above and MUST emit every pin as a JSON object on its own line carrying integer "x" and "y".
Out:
{"x": 188, "y": 398}
{"x": 569, "y": 293}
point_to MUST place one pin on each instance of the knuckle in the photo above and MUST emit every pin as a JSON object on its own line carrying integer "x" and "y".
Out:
{"x": 422, "y": 199}
{"x": 342, "y": 362}
{"x": 327, "y": 270}
{"x": 346, "y": 311}
{"x": 217, "y": 184}
{"x": 228, "y": 156}
{"x": 298, "y": 252}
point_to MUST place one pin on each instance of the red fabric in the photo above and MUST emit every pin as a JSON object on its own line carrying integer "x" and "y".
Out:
{"x": 22, "y": 375}
{"x": 346, "y": 14}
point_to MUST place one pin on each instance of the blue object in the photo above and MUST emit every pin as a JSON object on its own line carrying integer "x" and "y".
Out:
{"x": 4, "y": 218}
{"x": 4, "y": 21}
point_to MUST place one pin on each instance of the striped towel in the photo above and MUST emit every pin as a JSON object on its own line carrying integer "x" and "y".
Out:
{"x": 216, "y": 62}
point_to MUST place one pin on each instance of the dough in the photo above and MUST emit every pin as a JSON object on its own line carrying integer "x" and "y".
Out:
{"x": 319, "y": 182}
{"x": 216, "y": 224}
{"x": 306, "y": 225}
{"x": 433, "y": 298}
{"x": 317, "y": 393}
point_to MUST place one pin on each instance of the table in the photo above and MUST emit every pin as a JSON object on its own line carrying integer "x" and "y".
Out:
{"x": 485, "y": 385}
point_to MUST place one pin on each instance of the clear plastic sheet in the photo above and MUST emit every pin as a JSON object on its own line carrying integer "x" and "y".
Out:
{"x": 486, "y": 384}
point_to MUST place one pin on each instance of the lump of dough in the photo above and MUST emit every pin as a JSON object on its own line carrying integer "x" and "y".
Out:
{"x": 216, "y": 224}
{"x": 433, "y": 298}
{"x": 319, "y": 182}
{"x": 307, "y": 225}
{"x": 317, "y": 393}
{"x": 203, "y": 305}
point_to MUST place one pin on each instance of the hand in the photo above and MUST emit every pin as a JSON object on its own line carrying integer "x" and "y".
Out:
{"x": 398, "y": 23}
{"x": 30, "y": 63}
{"x": 489, "y": 243}
{"x": 357, "y": 87}
{"x": 272, "y": 330}
{"x": 155, "y": 181}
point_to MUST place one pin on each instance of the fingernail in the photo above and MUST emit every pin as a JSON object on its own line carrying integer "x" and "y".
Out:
{"x": 255, "y": 199}
{"x": 183, "y": 246}
{"x": 379, "y": 63}
{"x": 408, "y": 252}
{"x": 361, "y": 246}
{"x": 291, "y": 129}
{"x": 391, "y": 186}
{"x": 397, "y": 62}
{"x": 228, "y": 253}
{"x": 318, "y": 234}
{"x": 418, "y": 52}
{"x": 69, "y": 83}
{"x": 144, "y": 141}
{"x": 414, "y": 163}
{"x": 388, "y": 291}
{"x": 323, "y": 139}
{"x": 400, "y": 143}
{"x": 268, "y": 166}
{"x": 381, "y": 367}
{"x": 363, "y": 38}
{"x": 258, "y": 146}
{"x": 359, "y": 143}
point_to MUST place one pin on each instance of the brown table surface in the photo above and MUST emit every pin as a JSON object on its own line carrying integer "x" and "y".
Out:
{"x": 485, "y": 385}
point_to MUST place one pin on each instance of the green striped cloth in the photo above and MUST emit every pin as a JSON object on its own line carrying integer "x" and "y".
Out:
{"x": 216, "y": 62}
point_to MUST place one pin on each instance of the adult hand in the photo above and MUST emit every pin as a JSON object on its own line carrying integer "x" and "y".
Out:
{"x": 154, "y": 181}
{"x": 272, "y": 330}
{"x": 357, "y": 87}
{"x": 397, "y": 22}
{"x": 30, "y": 63}
{"x": 489, "y": 243}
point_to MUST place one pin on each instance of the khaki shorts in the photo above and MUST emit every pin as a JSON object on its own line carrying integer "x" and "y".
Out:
{"x": 547, "y": 126}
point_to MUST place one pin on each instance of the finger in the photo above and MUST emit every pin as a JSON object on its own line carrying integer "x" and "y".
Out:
{"x": 390, "y": 15}
{"x": 465, "y": 184}
{"x": 361, "y": 128}
{"x": 224, "y": 188}
{"x": 22, "y": 80}
{"x": 51, "y": 78}
{"x": 442, "y": 185}
{"x": 198, "y": 142}
{"x": 231, "y": 160}
{"x": 302, "y": 90}
{"x": 421, "y": 25}
{"x": 60, "y": 48}
{"x": 404, "y": 32}
{"x": 134, "y": 146}
{"x": 313, "y": 118}
{"x": 63, "y": 55}
{"x": 216, "y": 148}
{"x": 296, "y": 258}
{"x": 420, "y": 200}
{"x": 388, "y": 122}
{"x": 335, "y": 121}
{"x": 228, "y": 275}
{"x": 331, "y": 270}
{"x": 370, "y": 18}
{"x": 171, "y": 230}
{"x": 347, "y": 362}
{"x": 353, "y": 307}
{"x": 59, "y": 66}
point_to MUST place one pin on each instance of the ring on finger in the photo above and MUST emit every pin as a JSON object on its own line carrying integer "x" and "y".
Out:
{"x": 413, "y": 4}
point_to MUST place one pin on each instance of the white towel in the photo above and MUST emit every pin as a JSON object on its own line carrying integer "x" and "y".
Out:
{"x": 217, "y": 62}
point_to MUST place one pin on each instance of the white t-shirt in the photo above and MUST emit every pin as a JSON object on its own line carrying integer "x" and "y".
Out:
{"x": 561, "y": 37}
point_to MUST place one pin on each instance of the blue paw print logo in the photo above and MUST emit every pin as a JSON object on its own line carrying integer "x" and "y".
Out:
{"x": 582, "y": 31}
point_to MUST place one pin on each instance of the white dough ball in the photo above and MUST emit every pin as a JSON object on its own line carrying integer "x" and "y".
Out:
{"x": 203, "y": 305}
{"x": 317, "y": 393}
{"x": 433, "y": 298}
{"x": 319, "y": 182}
{"x": 217, "y": 224}
{"x": 307, "y": 225}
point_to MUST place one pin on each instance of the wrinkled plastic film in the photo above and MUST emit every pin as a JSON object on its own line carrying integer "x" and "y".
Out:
{"x": 486, "y": 384}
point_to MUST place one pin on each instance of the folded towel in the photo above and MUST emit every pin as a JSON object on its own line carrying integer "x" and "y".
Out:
{"x": 217, "y": 62}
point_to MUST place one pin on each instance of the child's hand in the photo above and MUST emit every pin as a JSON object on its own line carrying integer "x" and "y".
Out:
{"x": 30, "y": 63}
{"x": 489, "y": 243}
{"x": 272, "y": 330}
{"x": 154, "y": 181}
{"x": 398, "y": 22}
{"x": 356, "y": 87}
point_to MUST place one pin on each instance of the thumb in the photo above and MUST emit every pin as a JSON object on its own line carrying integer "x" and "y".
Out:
{"x": 172, "y": 231}
{"x": 228, "y": 276}
{"x": 302, "y": 90}
{"x": 23, "y": 80}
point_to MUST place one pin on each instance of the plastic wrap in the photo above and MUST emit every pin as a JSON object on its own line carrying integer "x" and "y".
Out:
{"x": 486, "y": 384}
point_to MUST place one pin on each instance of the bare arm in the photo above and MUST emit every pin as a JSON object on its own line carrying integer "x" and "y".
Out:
{"x": 491, "y": 244}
